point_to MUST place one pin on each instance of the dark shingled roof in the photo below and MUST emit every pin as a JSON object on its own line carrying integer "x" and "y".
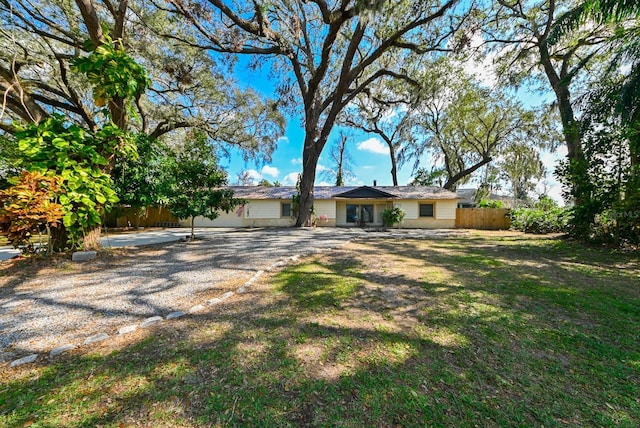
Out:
{"x": 332, "y": 192}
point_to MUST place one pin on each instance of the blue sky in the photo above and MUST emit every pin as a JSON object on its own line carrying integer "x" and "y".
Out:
{"x": 369, "y": 154}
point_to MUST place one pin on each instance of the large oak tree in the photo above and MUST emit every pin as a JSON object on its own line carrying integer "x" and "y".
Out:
{"x": 40, "y": 40}
{"x": 532, "y": 49}
{"x": 323, "y": 53}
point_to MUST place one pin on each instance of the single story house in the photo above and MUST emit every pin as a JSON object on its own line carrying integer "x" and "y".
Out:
{"x": 424, "y": 206}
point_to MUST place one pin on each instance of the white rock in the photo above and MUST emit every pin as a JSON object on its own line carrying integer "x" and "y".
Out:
{"x": 83, "y": 256}
{"x": 150, "y": 321}
{"x": 176, "y": 314}
{"x": 14, "y": 304}
{"x": 96, "y": 338}
{"x": 24, "y": 360}
{"x": 226, "y": 295}
{"x": 242, "y": 289}
{"x": 214, "y": 301}
{"x": 196, "y": 308}
{"x": 61, "y": 349}
{"x": 128, "y": 329}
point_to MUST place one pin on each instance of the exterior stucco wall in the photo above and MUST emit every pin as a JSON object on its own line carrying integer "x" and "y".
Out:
{"x": 262, "y": 210}
{"x": 446, "y": 210}
{"x": 442, "y": 210}
{"x": 428, "y": 223}
{"x": 253, "y": 214}
{"x": 269, "y": 222}
{"x": 410, "y": 209}
{"x": 267, "y": 213}
{"x": 324, "y": 207}
{"x": 328, "y": 209}
{"x": 230, "y": 219}
{"x": 341, "y": 213}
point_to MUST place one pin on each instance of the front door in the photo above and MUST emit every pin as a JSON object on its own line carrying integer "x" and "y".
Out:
{"x": 360, "y": 214}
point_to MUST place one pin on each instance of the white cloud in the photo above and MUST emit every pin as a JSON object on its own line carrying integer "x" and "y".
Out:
{"x": 321, "y": 168}
{"x": 373, "y": 145}
{"x": 482, "y": 68}
{"x": 254, "y": 175}
{"x": 324, "y": 183}
{"x": 290, "y": 179}
{"x": 283, "y": 140}
{"x": 296, "y": 161}
{"x": 270, "y": 170}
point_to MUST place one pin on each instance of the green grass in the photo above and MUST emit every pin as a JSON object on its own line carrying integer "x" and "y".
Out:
{"x": 483, "y": 331}
{"x": 316, "y": 285}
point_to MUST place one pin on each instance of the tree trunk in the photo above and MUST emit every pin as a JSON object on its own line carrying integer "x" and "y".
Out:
{"x": 193, "y": 235}
{"x": 310, "y": 156}
{"x": 451, "y": 181}
{"x": 118, "y": 110}
{"x": 394, "y": 165}
{"x": 58, "y": 238}
{"x": 340, "y": 169}
{"x": 570, "y": 127}
{"x": 305, "y": 208}
{"x": 91, "y": 240}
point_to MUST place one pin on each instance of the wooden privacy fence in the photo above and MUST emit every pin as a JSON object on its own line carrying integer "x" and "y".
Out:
{"x": 482, "y": 218}
{"x": 132, "y": 217}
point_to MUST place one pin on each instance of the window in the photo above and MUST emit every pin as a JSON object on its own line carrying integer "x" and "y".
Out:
{"x": 352, "y": 213}
{"x": 285, "y": 209}
{"x": 426, "y": 210}
{"x": 360, "y": 214}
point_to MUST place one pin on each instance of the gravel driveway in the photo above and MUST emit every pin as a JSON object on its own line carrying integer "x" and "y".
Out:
{"x": 72, "y": 301}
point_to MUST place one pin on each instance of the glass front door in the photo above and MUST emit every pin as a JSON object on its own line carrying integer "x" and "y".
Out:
{"x": 360, "y": 214}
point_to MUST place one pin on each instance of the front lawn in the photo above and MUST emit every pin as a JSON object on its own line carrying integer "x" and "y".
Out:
{"x": 488, "y": 330}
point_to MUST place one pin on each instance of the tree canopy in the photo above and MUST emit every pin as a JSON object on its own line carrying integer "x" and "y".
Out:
{"x": 324, "y": 53}
{"x": 51, "y": 50}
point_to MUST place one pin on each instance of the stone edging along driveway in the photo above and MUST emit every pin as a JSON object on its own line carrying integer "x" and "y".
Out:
{"x": 153, "y": 320}
{"x": 83, "y": 304}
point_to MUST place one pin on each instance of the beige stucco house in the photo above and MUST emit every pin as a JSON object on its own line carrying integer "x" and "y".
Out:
{"x": 424, "y": 207}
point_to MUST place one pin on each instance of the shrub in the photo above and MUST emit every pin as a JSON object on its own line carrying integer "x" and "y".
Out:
{"x": 27, "y": 207}
{"x": 392, "y": 216}
{"x": 490, "y": 203}
{"x": 534, "y": 220}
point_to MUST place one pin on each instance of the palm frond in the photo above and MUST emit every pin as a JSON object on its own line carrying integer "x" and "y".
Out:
{"x": 566, "y": 23}
{"x": 612, "y": 10}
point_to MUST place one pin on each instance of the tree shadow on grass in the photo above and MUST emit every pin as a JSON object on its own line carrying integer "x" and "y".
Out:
{"x": 468, "y": 357}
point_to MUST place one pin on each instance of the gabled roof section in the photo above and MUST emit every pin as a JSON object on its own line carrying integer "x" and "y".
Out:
{"x": 365, "y": 192}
